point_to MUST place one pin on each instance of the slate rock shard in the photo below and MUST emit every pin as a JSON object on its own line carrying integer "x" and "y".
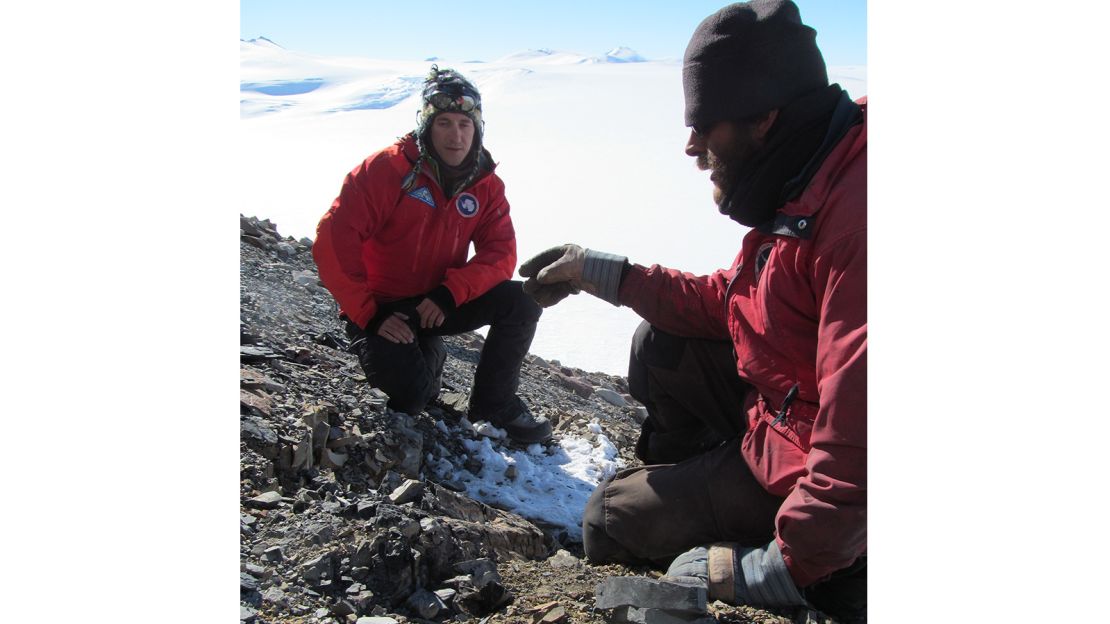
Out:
{"x": 643, "y": 592}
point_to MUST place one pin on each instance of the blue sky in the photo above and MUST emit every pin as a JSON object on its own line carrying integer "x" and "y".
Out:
{"x": 487, "y": 30}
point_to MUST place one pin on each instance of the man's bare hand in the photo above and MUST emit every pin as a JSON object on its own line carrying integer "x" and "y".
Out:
{"x": 430, "y": 314}
{"x": 395, "y": 329}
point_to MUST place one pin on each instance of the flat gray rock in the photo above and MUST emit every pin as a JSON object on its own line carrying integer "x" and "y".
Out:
{"x": 427, "y": 604}
{"x": 482, "y": 571}
{"x": 285, "y": 250}
{"x": 576, "y": 385}
{"x": 265, "y": 500}
{"x": 366, "y": 509}
{"x": 611, "y": 397}
{"x": 636, "y": 615}
{"x": 256, "y": 354}
{"x": 407, "y": 492}
{"x": 305, "y": 278}
{"x": 642, "y": 592}
{"x": 317, "y": 570}
{"x": 331, "y": 459}
{"x": 446, "y": 595}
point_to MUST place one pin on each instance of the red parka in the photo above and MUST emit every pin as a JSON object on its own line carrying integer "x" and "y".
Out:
{"x": 794, "y": 305}
{"x": 380, "y": 243}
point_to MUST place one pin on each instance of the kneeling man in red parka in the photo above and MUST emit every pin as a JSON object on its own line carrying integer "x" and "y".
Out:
{"x": 392, "y": 250}
{"x": 754, "y": 377}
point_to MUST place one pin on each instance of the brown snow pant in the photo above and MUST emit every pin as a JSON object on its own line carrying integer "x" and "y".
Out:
{"x": 697, "y": 488}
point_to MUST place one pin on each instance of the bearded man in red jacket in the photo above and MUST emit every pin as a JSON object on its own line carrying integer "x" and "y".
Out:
{"x": 392, "y": 250}
{"x": 754, "y": 377}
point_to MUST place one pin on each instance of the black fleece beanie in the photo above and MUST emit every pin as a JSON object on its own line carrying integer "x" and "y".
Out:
{"x": 749, "y": 58}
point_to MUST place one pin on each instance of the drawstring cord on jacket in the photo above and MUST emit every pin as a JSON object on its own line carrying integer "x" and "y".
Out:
{"x": 790, "y": 396}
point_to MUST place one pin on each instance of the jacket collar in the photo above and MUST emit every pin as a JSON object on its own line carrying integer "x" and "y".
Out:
{"x": 411, "y": 151}
{"x": 846, "y": 115}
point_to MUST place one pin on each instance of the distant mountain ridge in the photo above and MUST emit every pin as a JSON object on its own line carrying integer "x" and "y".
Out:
{"x": 275, "y": 79}
{"x": 624, "y": 55}
{"x": 262, "y": 41}
{"x": 619, "y": 54}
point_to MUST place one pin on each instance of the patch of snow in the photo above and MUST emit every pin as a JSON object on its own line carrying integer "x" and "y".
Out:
{"x": 384, "y": 95}
{"x": 551, "y": 485}
{"x": 487, "y": 429}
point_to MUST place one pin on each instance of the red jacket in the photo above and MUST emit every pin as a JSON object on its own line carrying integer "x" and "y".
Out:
{"x": 795, "y": 307}
{"x": 379, "y": 243}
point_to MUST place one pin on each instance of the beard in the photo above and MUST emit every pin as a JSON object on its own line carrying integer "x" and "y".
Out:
{"x": 727, "y": 169}
{"x": 754, "y": 172}
{"x": 722, "y": 175}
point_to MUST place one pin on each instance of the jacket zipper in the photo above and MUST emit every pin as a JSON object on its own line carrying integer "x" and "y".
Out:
{"x": 728, "y": 289}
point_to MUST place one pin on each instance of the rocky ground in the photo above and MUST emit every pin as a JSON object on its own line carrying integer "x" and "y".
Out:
{"x": 341, "y": 522}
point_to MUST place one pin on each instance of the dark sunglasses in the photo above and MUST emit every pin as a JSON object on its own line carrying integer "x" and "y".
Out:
{"x": 701, "y": 131}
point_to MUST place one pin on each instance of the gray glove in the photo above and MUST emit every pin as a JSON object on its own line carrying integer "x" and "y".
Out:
{"x": 547, "y": 295}
{"x": 739, "y": 575}
{"x": 693, "y": 563}
{"x": 569, "y": 269}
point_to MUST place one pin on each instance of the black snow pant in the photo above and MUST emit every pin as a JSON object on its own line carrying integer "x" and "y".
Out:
{"x": 411, "y": 373}
{"x": 696, "y": 488}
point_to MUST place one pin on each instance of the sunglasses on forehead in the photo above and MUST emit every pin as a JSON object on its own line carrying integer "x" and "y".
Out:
{"x": 451, "y": 102}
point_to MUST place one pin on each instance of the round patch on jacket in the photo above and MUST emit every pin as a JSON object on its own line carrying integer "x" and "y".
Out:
{"x": 467, "y": 205}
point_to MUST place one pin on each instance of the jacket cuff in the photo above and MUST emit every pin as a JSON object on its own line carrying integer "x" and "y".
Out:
{"x": 752, "y": 576}
{"x": 362, "y": 315}
{"x": 442, "y": 297}
{"x": 605, "y": 271}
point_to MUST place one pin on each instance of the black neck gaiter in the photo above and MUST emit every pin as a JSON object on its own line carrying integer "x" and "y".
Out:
{"x": 453, "y": 179}
{"x": 757, "y": 189}
{"x": 451, "y": 176}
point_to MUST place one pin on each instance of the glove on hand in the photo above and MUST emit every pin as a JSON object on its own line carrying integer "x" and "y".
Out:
{"x": 739, "y": 575}
{"x": 693, "y": 563}
{"x": 554, "y": 274}
{"x": 548, "y": 296}
{"x": 569, "y": 269}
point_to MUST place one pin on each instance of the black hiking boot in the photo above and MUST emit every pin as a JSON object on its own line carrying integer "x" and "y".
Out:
{"x": 521, "y": 425}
